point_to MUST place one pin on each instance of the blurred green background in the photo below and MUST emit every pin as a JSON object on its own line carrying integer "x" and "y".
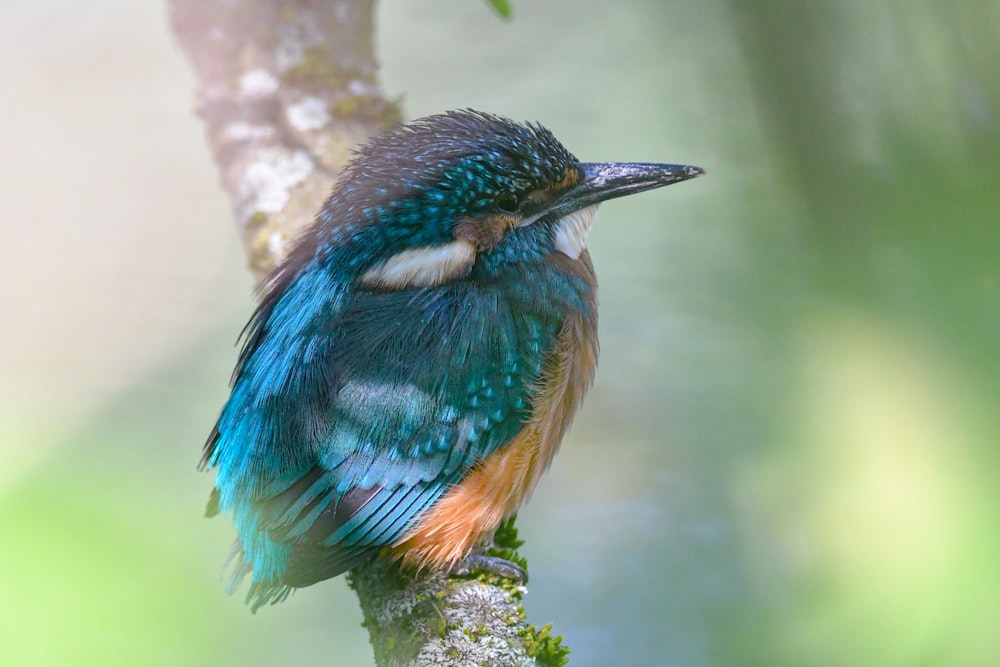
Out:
{"x": 790, "y": 456}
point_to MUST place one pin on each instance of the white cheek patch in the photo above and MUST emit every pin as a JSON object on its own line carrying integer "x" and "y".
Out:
{"x": 572, "y": 231}
{"x": 422, "y": 267}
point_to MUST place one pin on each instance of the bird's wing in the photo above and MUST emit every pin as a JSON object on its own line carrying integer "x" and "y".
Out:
{"x": 336, "y": 438}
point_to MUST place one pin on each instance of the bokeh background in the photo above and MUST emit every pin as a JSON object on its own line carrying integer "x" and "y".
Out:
{"x": 790, "y": 456}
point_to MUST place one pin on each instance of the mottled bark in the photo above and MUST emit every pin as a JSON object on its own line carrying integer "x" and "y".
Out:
{"x": 436, "y": 620}
{"x": 286, "y": 88}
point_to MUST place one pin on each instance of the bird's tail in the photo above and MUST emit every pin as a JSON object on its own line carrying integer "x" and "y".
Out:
{"x": 261, "y": 592}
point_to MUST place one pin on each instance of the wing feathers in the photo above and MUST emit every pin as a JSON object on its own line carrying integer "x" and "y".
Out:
{"x": 328, "y": 453}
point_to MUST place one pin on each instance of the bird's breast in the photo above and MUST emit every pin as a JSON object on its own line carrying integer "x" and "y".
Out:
{"x": 498, "y": 484}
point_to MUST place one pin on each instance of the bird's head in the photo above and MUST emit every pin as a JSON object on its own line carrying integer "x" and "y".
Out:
{"x": 464, "y": 191}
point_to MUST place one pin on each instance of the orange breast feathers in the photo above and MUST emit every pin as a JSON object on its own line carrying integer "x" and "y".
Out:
{"x": 497, "y": 486}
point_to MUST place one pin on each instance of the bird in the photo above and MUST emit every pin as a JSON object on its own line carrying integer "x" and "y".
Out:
{"x": 417, "y": 357}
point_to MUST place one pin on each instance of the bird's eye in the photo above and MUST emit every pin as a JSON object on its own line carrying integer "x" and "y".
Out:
{"x": 507, "y": 202}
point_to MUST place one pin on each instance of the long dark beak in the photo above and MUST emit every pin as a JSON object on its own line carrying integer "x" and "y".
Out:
{"x": 606, "y": 180}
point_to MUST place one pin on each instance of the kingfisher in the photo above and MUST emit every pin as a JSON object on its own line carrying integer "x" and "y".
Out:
{"x": 417, "y": 357}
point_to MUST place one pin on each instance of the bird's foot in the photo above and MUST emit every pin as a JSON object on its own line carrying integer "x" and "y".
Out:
{"x": 479, "y": 561}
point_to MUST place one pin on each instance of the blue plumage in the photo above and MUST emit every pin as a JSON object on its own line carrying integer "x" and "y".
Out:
{"x": 357, "y": 404}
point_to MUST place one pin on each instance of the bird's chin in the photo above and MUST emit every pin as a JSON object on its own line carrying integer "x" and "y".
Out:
{"x": 572, "y": 230}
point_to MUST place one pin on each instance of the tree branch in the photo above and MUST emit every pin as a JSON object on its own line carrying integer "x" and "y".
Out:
{"x": 286, "y": 88}
{"x": 432, "y": 619}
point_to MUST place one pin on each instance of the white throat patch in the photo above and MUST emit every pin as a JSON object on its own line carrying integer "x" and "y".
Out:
{"x": 572, "y": 231}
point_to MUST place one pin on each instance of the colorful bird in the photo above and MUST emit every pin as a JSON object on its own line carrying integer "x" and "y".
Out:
{"x": 417, "y": 358}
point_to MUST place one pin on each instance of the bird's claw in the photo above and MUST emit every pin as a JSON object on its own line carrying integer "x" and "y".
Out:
{"x": 479, "y": 561}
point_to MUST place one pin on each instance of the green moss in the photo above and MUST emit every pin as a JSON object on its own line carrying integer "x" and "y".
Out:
{"x": 475, "y": 632}
{"x": 352, "y": 106}
{"x": 511, "y": 586}
{"x": 369, "y": 107}
{"x": 258, "y": 219}
{"x": 258, "y": 232}
{"x": 514, "y": 617}
{"x": 506, "y": 543}
{"x": 318, "y": 69}
{"x": 546, "y": 649}
{"x": 506, "y": 536}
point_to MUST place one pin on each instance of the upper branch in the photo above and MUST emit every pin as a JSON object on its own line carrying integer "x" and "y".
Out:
{"x": 286, "y": 88}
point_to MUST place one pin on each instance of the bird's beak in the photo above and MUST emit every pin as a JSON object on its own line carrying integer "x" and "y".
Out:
{"x": 601, "y": 181}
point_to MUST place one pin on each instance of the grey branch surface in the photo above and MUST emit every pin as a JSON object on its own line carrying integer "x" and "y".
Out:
{"x": 286, "y": 88}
